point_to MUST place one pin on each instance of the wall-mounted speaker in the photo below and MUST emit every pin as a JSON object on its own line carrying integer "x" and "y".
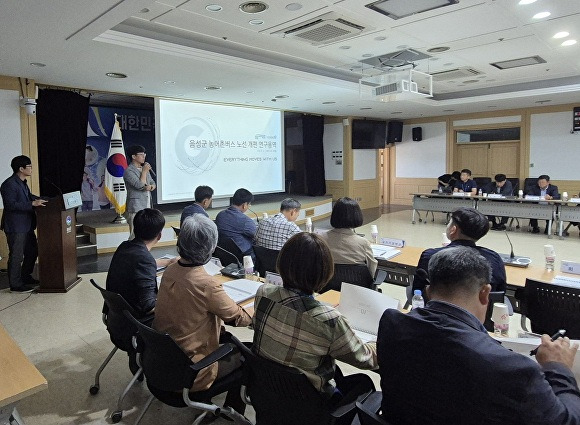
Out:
{"x": 394, "y": 131}
{"x": 417, "y": 134}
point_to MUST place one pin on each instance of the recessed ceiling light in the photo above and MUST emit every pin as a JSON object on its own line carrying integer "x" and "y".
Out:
{"x": 293, "y": 6}
{"x": 116, "y": 75}
{"x": 38, "y": 64}
{"x": 249, "y": 92}
{"x": 281, "y": 96}
{"x": 541, "y": 15}
{"x": 365, "y": 108}
{"x": 213, "y": 8}
{"x": 367, "y": 55}
{"x": 561, "y": 34}
{"x": 256, "y": 22}
{"x": 569, "y": 42}
{"x": 169, "y": 82}
{"x": 522, "y": 2}
{"x": 541, "y": 102}
{"x": 397, "y": 9}
{"x": 344, "y": 47}
{"x": 144, "y": 10}
{"x": 396, "y": 112}
{"x": 380, "y": 38}
{"x": 328, "y": 103}
{"x": 438, "y": 49}
{"x": 253, "y": 7}
{"x": 213, "y": 87}
{"x": 448, "y": 110}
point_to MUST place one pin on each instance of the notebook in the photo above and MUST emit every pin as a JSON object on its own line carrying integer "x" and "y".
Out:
{"x": 241, "y": 289}
{"x": 363, "y": 309}
{"x": 384, "y": 252}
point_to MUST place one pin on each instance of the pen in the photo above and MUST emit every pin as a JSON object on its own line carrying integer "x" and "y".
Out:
{"x": 557, "y": 335}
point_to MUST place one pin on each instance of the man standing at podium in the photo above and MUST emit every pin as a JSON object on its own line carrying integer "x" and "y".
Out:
{"x": 19, "y": 222}
{"x": 139, "y": 184}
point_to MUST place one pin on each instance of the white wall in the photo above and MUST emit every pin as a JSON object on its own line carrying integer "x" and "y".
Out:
{"x": 10, "y": 136}
{"x": 424, "y": 159}
{"x": 332, "y": 143}
{"x": 364, "y": 163}
{"x": 553, "y": 150}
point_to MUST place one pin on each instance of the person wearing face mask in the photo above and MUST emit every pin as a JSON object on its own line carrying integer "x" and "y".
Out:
{"x": 138, "y": 183}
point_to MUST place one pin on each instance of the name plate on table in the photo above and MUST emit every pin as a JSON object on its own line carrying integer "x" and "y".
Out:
{"x": 461, "y": 194}
{"x": 533, "y": 198}
{"x": 575, "y": 200}
{"x": 495, "y": 196}
{"x": 397, "y": 243}
{"x": 570, "y": 267}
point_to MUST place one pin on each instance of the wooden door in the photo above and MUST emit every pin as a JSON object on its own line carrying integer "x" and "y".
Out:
{"x": 504, "y": 158}
{"x": 473, "y": 156}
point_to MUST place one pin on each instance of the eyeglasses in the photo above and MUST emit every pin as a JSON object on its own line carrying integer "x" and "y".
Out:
{"x": 28, "y": 166}
{"x": 141, "y": 153}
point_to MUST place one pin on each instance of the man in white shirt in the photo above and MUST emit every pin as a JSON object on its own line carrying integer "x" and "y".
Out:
{"x": 273, "y": 232}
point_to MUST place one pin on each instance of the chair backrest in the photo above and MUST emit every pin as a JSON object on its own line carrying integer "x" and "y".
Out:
{"x": 265, "y": 259}
{"x": 165, "y": 364}
{"x": 280, "y": 394}
{"x": 121, "y": 330}
{"x": 482, "y": 181}
{"x": 494, "y": 297}
{"x": 229, "y": 245}
{"x": 551, "y": 307}
{"x": 357, "y": 274}
{"x": 529, "y": 183}
{"x": 367, "y": 417}
{"x": 515, "y": 184}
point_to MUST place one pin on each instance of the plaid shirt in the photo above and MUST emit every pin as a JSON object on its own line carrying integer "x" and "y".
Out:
{"x": 273, "y": 232}
{"x": 299, "y": 331}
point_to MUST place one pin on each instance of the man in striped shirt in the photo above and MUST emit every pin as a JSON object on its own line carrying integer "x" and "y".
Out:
{"x": 273, "y": 232}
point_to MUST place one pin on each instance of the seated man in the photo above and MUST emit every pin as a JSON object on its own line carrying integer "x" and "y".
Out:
{"x": 465, "y": 183}
{"x": 438, "y": 365}
{"x": 203, "y": 195}
{"x": 233, "y": 223}
{"x": 133, "y": 270}
{"x": 500, "y": 186}
{"x": 273, "y": 232}
{"x": 465, "y": 228}
{"x": 544, "y": 190}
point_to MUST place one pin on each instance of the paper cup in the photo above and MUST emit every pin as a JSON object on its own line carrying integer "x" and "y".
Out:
{"x": 549, "y": 250}
{"x": 308, "y": 221}
{"x": 248, "y": 263}
{"x": 374, "y": 229}
{"x": 501, "y": 319}
{"x": 264, "y": 215}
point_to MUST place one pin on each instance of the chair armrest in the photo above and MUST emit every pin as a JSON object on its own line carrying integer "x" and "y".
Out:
{"x": 213, "y": 357}
{"x": 380, "y": 277}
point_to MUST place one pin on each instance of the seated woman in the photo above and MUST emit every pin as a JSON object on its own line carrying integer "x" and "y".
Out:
{"x": 292, "y": 328}
{"x": 192, "y": 305}
{"x": 345, "y": 245}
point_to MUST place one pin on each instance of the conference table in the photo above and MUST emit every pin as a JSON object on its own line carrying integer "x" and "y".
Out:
{"x": 19, "y": 378}
{"x": 512, "y": 207}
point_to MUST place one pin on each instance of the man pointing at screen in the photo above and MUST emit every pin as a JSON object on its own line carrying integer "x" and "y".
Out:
{"x": 139, "y": 184}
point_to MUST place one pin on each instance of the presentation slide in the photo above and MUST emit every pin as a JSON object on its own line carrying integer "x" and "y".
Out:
{"x": 225, "y": 147}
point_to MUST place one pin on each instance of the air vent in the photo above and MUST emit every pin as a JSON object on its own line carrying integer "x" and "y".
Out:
{"x": 516, "y": 63}
{"x": 458, "y": 73}
{"x": 324, "y": 29}
{"x": 388, "y": 89}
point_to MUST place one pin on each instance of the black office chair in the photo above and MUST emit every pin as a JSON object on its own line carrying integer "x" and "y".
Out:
{"x": 170, "y": 373}
{"x": 529, "y": 183}
{"x": 551, "y": 307}
{"x": 229, "y": 245}
{"x": 121, "y": 332}
{"x": 367, "y": 411}
{"x": 265, "y": 259}
{"x": 357, "y": 274}
{"x": 283, "y": 395}
{"x": 482, "y": 181}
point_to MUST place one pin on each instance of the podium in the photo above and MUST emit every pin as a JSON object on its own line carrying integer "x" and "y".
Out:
{"x": 56, "y": 230}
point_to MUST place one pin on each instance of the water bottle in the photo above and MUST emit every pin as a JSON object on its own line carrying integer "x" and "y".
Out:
{"x": 480, "y": 192}
{"x": 440, "y": 190}
{"x": 417, "y": 301}
{"x": 308, "y": 224}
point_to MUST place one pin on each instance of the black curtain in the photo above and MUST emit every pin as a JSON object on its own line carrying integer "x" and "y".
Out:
{"x": 61, "y": 119}
{"x": 312, "y": 131}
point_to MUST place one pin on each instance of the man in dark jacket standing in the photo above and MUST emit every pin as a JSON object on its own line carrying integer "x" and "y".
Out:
{"x": 19, "y": 222}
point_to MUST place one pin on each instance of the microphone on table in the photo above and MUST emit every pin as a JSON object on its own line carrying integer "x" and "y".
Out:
{"x": 236, "y": 270}
{"x": 512, "y": 256}
{"x": 257, "y": 219}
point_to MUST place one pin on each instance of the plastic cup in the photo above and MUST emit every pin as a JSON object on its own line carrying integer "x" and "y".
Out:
{"x": 501, "y": 319}
{"x": 264, "y": 215}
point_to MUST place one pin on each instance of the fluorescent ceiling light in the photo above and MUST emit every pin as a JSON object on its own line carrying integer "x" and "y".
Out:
{"x": 561, "y": 34}
{"x": 541, "y": 15}
{"x": 397, "y": 9}
{"x": 522, "y": 2}
{"x": 569, "y": 43}
{"x": 515, "y": 63}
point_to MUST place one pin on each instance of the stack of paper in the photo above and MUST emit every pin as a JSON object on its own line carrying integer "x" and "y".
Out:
{"x": 241, "y": 289}
{"x": 384, "y": 252}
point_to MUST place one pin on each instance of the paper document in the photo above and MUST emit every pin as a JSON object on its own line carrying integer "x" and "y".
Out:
{"x": 570, "y": 282}
{"x": 241, "y": 289}
{"x": 363, "y": 309}
{"x": 384, "y": 252}
{"x": 525, "y": 345}
{"x": 165, "y": 257}
{"x": 212, "y": 269}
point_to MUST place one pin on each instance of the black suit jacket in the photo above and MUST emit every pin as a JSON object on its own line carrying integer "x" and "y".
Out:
{"x": 439, "y": 366}
{"x": 551, "y": 190}
{"x": 132, "y": 274}
{"x": 505, "y": 190}
{"x": 19, "y": 215}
